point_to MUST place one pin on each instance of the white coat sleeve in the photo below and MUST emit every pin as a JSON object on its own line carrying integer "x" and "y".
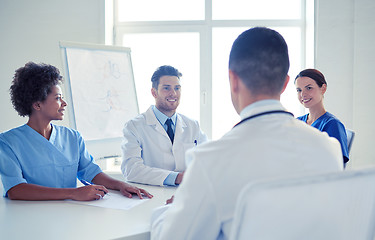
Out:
{"x": 202, "y": 137}
{"x": 193, "y": 213}
{"x": 133, "y": 167}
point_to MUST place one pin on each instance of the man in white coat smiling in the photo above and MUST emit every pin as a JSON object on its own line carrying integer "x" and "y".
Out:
{"x": 268, "y": 142}
{"x": 155, "y": 142}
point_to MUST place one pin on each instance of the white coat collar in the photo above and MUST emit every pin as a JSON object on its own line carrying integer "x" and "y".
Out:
{"x": 261, "y": 106}
{"x": 153, "y": 121}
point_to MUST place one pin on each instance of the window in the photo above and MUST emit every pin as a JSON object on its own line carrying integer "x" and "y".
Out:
{"x": 180, "y": 50}
{"x": 196, "y": 37}
{"x": 160, "y": 10}
{"x": 256, "y": 10}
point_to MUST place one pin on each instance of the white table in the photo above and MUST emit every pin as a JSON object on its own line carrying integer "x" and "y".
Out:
{"x": 66, "y": 220}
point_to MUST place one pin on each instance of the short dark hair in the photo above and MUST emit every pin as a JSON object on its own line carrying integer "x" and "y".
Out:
{"x": 314, "y": 74}
{"x": 32, "y": 83}
{"x": 259, "y": 56}
{"x": 164, "y": 70}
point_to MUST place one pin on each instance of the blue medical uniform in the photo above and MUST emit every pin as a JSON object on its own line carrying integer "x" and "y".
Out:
{"x": 28, "y": 157}
{"x": 330, "y": 124}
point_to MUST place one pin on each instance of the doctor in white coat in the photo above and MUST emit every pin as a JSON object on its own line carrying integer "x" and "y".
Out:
{"x": 268, "y": 143}
{"x": 150, "y": 155}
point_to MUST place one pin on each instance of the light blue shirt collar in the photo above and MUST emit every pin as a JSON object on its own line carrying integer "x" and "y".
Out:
{"x": 162, "y": 117}
{"x": 245, "y": 112}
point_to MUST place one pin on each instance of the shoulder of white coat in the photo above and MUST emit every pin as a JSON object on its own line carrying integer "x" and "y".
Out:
{"x": 205, "y": 151}
{"x": 186, "y": 120}
{"x": 140, "y": 119}
{"x": 308, "y": 132}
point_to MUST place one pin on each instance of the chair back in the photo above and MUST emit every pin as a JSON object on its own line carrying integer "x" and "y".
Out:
{"x": 350, "y": 137}
{"x": 327, "y": 206}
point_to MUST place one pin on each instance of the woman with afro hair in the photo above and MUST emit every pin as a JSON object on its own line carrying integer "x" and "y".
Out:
{"x": 42, "y": 161}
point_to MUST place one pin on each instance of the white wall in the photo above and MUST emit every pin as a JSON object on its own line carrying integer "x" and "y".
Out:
{"x": 345, "y": 53}
{"x": 31, "y": 31}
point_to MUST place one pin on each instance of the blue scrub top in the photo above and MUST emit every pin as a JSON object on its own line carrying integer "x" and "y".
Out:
{"x": 330, "y": 124}
{"x": 28, "y": 157}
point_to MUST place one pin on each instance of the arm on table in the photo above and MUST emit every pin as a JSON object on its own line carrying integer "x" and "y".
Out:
{"x": 26, "y": 191}
{"x": 125, "y": 188}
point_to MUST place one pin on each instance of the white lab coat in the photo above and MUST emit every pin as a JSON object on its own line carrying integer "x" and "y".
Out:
{"x": 148, "y": 154}
{"x": 268, "y": 146}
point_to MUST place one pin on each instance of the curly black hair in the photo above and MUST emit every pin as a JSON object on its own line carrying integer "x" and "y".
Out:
{"x": 32, "y": 83}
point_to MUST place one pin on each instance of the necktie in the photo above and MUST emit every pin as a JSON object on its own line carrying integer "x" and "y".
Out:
{"x": 169, "y": 129}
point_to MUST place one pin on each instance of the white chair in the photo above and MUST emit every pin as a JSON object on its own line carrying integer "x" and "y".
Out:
{"x": 350, "y": 137}
{"x": 329, "y": 206}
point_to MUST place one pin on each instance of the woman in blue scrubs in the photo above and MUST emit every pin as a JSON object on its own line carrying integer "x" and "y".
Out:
{"x": 42, "y": 161}
{"x": 311, "y": 86}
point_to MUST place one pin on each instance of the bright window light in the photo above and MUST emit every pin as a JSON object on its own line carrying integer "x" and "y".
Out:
{"x": 222, "y": 108}
{"x": 180, "y": 50}
{"x": 161, "y": 10}
{"x": 255, "y": 9}
{"x": 197, "y": 41}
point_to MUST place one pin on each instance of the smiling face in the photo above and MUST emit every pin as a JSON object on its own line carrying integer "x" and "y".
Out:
{"x": 54, "y": 106}
{"x": 167, "y": 95}
{"x": 309, "y": 93}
